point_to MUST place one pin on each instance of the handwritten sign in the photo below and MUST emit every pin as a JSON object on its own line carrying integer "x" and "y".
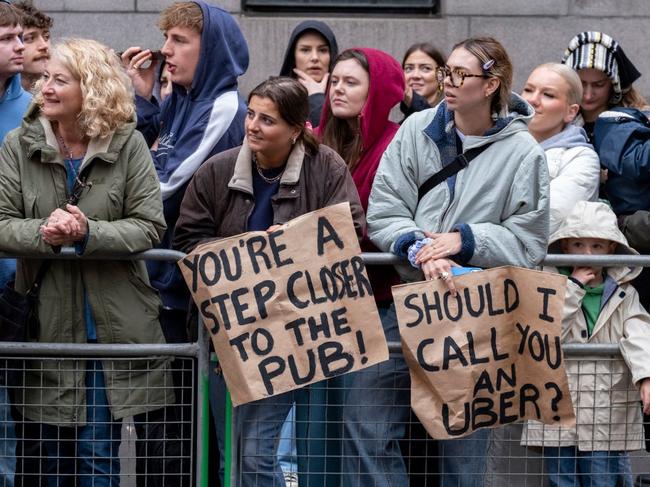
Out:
{"x": 289, "y": 308}
{"x": 489, "y": 356}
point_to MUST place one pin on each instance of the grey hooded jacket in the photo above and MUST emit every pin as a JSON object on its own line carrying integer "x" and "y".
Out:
{"x": 499, "y": 203}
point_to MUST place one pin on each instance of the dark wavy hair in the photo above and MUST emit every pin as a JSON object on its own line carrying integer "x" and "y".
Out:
{"x": 33, "y": 18}
{"x": 292, "y": 100}
{"x": 427, "y": 49}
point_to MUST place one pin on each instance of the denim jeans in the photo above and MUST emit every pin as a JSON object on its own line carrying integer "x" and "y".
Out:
{"x": 464, "y": 461}
{"x": 86, "y": 456}
{"x": 217, "y": 394}
{"x": 287, "y": 454}
{"x": 257, "y": 426}
{"x": 568, "y": 467}
{"x": 375, "y": 415}
{"x": 7, "y": 441}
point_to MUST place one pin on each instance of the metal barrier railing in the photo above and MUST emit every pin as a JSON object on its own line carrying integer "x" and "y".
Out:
{"x": 130, "y": 354}
{"x": 199, "y": 350}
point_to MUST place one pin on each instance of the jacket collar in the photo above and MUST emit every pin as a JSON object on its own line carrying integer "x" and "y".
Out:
{"x": 39, "y": 138}
{"x": 96, "y": 146}
{"x": 242, "y": 178}
{"x": 13, "y": 89}
{"x": 519, "y": 113}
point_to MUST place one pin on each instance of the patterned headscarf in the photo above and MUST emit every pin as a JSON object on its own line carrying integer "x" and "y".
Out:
{"x": 596, "y": 50}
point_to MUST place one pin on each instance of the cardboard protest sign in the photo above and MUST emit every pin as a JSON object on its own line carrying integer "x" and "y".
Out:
{"x": 489, "y": 356}
{"x": 288, "y": 308}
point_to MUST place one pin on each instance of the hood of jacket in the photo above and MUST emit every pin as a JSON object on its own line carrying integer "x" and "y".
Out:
{"x": 39, "y": 140}
{"x": 13, "y": 89}
{"x": 594, "y": 219}
{"x": 572, "y": 136}
{"x": 222, "y": 45}
{"x": 289, "y": 62}
{"x": 13, "y": 105}
{"x": 386, "y": 89}
{"x": 441, "y": 129}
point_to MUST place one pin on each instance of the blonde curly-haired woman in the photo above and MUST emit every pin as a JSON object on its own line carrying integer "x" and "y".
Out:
{"x": 76, "y": 173}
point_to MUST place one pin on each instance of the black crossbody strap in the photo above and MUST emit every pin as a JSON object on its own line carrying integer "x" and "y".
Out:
{"x": 459, "y": 163}
{"x": 33, "y": 291}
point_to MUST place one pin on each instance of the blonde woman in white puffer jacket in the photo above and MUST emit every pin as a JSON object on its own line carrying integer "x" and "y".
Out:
{"x": 555, "y": 91}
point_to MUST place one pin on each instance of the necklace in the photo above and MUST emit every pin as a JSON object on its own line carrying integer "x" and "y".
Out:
{"x": 267, "y": 179}
{"x": 67, "y": 153}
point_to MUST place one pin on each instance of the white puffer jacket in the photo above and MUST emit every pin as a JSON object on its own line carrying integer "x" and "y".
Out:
{"x": 574, "y": 170}
{"x": 575, "y": 176}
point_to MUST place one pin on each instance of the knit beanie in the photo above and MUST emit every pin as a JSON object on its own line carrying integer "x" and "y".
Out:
{"x": 599, "y": 51}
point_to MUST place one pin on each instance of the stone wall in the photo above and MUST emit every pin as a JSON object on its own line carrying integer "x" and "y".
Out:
{"x": 533, "y": 31}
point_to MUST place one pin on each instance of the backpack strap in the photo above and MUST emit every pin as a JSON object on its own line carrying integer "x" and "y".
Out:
{"x": 460, "y": 162}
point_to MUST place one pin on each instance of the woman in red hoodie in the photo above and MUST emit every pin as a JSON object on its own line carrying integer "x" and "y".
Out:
{"x": 365, "y": 84}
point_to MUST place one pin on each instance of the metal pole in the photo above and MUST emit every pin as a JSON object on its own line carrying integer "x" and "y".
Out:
{"x": 203, "y": 407}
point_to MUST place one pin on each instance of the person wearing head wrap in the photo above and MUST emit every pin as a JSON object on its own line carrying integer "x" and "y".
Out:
{"x": 309, "y": 56}
{"x": 607, "y": 75}
{"x": 614, "y": 118}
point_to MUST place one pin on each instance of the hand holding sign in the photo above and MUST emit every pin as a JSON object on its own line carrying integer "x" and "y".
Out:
{"x": 488, "y": 356}
{"x": 287, "y": 308}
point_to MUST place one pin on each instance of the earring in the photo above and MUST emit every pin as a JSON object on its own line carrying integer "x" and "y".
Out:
{"x": 487, "y": 94}
{"x": 293, "y": 139}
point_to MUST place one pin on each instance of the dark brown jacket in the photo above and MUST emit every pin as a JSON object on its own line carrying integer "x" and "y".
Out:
{"x": 220, "y": 199}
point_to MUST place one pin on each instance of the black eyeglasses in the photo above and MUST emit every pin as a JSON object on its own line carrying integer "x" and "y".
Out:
{"x": 5, "y": 1}
{"x": 457, "y": 76}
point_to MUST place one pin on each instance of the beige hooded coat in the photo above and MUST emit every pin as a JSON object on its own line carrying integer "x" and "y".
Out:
{"x": 604, "y": 390}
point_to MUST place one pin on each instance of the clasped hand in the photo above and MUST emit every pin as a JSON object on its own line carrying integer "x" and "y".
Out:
{"x": 65, "y": 227}
{"x": 434, "y": 259}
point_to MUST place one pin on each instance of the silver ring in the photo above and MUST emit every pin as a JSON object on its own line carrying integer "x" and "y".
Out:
{"x": 444, "y": 276}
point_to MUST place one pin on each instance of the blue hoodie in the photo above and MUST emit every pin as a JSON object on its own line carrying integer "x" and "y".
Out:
{"x": 191, "y": 126}
{"x": 13, "y": 105}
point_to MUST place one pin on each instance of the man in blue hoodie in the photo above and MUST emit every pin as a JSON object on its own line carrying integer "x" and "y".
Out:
{"x": 13, "y": 99}
{"x": 205, "y": 52}
{"x": 13, "y": 104}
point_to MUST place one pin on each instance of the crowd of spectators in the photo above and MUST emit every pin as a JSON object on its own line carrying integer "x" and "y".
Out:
{"x": 115, "y": 154}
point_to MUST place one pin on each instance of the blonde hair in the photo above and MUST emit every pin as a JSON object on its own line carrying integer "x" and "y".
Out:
{"x": 490, "y": 52}
{"x": 568, "y": 74}
{"x": 182, "y": 14}
{"x": 106, "y": 92}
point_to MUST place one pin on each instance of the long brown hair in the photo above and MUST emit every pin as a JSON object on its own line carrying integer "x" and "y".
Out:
{"x": 292, "y": 100}
{"x": 344, "y": 136}
{"x": 434, "y": 54}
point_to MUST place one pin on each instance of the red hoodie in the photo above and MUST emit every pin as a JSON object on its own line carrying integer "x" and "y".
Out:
{"x": 386, "y": 89}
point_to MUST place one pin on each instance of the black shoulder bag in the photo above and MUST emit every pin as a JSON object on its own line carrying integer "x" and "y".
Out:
{"x": 454, "y": 167}
{"x": 19, "y": 314}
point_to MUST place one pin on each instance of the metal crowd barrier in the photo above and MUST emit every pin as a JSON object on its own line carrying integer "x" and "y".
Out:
{"x": 514, "y": 466}
{"x": 166, "y": 446}
{"x": 506, "y": 461}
